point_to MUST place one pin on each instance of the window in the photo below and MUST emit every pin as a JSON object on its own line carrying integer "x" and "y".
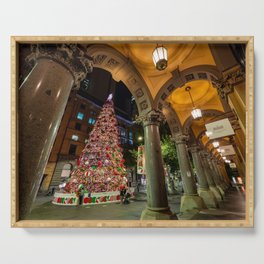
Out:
{"x": 130, "y": 141}
{"x": 82, "y": 106}
{"x": 86, "y": 84}
{"x": 122, "y": 132}
{"x": 72, "y": 149}
{"x": 130, "y": 135}
{"x": 93, "y": 112}
{"x": 75, "y": 137}
{"x": 78, "y": 126}
{"x": 123, "y": 141}
{"x": 66, "y": 170}
{"x": 80, "y": 115}
{"x": 91, "y": 121}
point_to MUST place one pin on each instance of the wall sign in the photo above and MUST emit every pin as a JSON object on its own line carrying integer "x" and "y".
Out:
{"x": 218, "y": 129}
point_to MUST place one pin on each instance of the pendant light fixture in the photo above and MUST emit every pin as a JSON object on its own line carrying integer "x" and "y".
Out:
{"x": 160, "y": 58}
{"x": 196, "y": 112}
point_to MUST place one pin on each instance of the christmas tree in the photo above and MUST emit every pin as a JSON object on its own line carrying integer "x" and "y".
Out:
{"x": 100, "y": 167}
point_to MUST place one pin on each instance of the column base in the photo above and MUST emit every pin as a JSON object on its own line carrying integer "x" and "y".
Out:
{"x": 216, "y": 193}
{"x": 191, "y": 203}
{"x": 157, "y": 214}
{"x": 208, "y": 198}
{"x": 220, "y": 188}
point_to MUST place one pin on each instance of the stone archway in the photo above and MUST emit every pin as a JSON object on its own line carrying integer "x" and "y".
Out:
{"x": 111, "y": 60}
{"x": 180, "y": 78}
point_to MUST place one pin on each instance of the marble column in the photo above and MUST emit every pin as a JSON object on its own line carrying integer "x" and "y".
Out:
{"x": 157, "y": 201}
{"x": 42, "y": 100}
{"x": 215, "y": 175}
{"x": 203, "y": 189}
{"x": 209, "y": 176}
{"x": 190, "y": 201}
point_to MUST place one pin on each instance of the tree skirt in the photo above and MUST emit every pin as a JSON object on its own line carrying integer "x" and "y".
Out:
{"x": 70, "y": 199}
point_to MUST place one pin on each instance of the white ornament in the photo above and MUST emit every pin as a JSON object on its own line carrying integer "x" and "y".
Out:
{"x": 110, "y": 97}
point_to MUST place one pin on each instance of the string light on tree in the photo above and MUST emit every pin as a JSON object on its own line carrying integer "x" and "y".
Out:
{"x": 100, "y": 168}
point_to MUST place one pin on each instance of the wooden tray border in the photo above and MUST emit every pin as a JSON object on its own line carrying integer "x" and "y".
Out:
{"x": 248, "y": 222}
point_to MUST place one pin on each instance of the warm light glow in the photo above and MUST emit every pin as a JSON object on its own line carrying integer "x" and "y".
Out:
{"x": 227, "y": 161}
{"x": 208, "y": 133}
{"x": 160, "y": 58}
{"x": 224, "y": 158}
{"x": 239, "y": 179}
{"x": 196, "y": 113}
{"x": 140, "y": 138}
{"x": 219, "y": 150}
{"x": 216, "y": 144}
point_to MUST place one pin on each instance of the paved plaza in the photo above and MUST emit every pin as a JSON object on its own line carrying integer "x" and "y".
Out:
{"x": 231, "y": 208}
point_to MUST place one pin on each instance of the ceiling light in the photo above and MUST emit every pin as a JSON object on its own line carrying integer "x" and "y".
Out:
{"x": 160, "y": 58}
{"x": 216, "y": 144}
{"x": 196, "y": 112}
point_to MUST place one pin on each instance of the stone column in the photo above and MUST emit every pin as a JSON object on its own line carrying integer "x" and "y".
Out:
{"x": 215, "y": 175}
{"x": 42, "y": 100}
{"x": 203, "y": 189}
{"x": 209, "y": 177}
{"x": 221, "y": 177}
{"x": 190, "y": 201}
{"x": 157, "y": 201}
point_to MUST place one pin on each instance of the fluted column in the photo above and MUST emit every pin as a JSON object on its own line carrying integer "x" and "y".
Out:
{"x": 209, "y": 176}
{"x": 42, "y": 100}
{"x": 157, "y": 201}
{"x": 190, "y": 200}
{"x": 215, "y": 175}
{"x": 203, "y": 189}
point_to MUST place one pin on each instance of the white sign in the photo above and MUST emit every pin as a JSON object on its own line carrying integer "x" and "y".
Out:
{"x": 232, "y": 165}
{"x": 218, "y": 129}
{"x": 227, "y": 150}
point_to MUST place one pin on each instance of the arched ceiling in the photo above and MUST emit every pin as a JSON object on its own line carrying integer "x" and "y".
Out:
{"x": 204, "y": 96}
{"x": 180, "y": 56}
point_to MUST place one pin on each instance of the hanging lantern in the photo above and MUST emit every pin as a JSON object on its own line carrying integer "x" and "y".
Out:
{"x": 196, "y": 112}
{"x": 160, "y": 58}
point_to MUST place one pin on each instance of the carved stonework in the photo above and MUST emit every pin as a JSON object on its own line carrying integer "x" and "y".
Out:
{"x": 226, "y": 84}
{"x": 132, "y": 81}
{"x": 194, "y": 149}
{"x": 202, "y": 75}
{"x": 139, "y": 93}
{"x": 170, "y": 88}
{"x": 99, "y": 59}
{"x": 143, "y": 105}
{"x": 73, "y": 58}
{"x": 112, "y": 63}
{"x": 180, "y": 138}
{"x": 153, "y": 117}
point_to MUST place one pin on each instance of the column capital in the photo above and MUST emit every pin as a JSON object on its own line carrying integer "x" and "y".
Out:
{"x": 153, "y": 117}
{"x": 194, "y": 149}
{"x": 204, "y": 154}
{"x": 180, "y": 138}
{"x": 69, "y": 55}
{"x": 231, "y": 78}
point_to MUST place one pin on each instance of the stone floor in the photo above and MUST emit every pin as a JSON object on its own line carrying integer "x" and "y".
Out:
{"x": 232, "y": 208}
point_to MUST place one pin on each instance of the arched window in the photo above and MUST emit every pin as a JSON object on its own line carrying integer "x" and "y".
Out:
{"x": 66, "y": 170}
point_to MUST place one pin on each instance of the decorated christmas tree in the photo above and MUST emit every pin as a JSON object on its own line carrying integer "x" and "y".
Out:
{"x": 100, "y": 167}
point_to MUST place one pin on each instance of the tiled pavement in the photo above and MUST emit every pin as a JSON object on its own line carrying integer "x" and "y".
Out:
{"x": 232, "y": 208}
